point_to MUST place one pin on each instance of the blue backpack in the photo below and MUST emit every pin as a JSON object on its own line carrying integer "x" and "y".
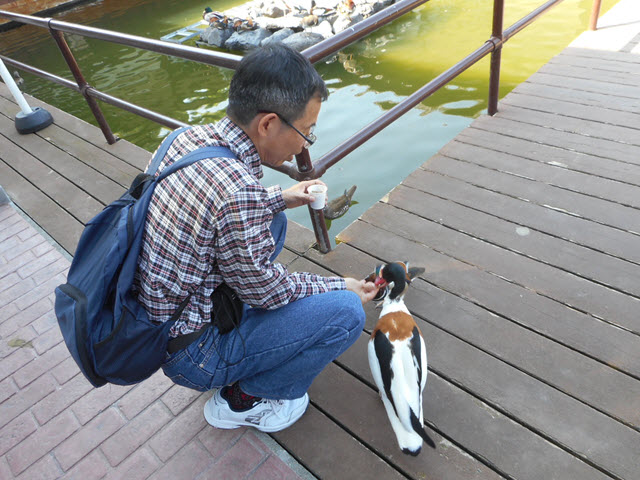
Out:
{"x": 105, "y": 328}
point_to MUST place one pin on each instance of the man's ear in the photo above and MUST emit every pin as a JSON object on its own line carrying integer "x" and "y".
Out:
{"x": 267, "y": 124}
{"x": 415, "y": 272}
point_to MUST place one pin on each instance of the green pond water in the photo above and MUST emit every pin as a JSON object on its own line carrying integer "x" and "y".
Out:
{"x": 364, "y": 79}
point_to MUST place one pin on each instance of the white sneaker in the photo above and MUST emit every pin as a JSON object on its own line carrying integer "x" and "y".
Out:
{"x": 266, "y": 416}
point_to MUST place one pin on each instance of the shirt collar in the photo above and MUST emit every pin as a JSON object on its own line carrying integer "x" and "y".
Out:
{"x": 240, "y": 144}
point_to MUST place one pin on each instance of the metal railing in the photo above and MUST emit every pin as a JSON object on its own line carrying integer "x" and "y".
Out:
{"x": 304, "y": 168}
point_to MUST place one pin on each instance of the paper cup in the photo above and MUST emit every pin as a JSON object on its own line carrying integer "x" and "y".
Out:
{"x": 319, "y": 193}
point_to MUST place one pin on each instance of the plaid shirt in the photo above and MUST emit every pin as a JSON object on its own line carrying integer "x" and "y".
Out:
{"x": 208, "y": 223}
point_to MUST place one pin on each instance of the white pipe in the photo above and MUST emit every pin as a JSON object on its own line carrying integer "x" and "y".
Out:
{"x": 13, "y": 88}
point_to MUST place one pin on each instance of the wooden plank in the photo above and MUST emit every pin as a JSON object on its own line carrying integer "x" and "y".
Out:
{"x": 65, "y": 163}
{"x": 126, "y": 151}
{"x": 328, "y": 451}
{"x": 602, "y": 55}
{"x": 40, "y": 146}
{"x": 61, "y": 226}
{"x": 570, "y": 124}
{"x": 571, "y": 72}
{"x": 572, "y": 203}
{"x": 562, "y": 92}
{"x": 597, "y": 86}
{"x": 586, "y": 263}
{"x": 507, "y": 446}
{"x": 553, "y": 174}
{"x": 609, "y": 305}
{"x": 571, "y": 109}
{"x": 517, "y": 148}
{"x": 569, "y": 141}
{"x": 362, "y": 418}
{"x": 77, "y": 202}
{"x": 578, "y": 331}
{"x": 607, "y": 63}
{"x": 534, "y": 404}
{"x": 582, "y": 377}
{"x": 578, "y": 230}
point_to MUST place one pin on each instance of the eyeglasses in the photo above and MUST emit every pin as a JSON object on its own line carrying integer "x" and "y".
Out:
{"x": 310, "y": 138}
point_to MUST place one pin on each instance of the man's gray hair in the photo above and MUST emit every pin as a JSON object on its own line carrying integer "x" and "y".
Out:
{"x": 273, "y": 78}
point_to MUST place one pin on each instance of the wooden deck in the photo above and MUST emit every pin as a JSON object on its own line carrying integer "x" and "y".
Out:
{"x": 528, "y": 226}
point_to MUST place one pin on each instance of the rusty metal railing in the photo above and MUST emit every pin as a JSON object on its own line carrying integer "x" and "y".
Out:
{"x": 304, "y": 168}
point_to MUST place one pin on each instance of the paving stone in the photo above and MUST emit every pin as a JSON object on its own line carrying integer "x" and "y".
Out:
{"x": 81, "y": 443}
{"x": 178, "y": 398}
{"x": 42, "y": 441}
{"x": 5, "y": 471}
{"x": 273, "y": 469}
{"x": 137, "y": 467}
{"x": 188, "y": 463}
{"x": 92, "y": 467}
{"x": 26, "y": 234}
{"x": 42, "y": 248}
{"x": 25, "y": 317}
{"x": 14, "y": 228}
{"x": 16, "y": 263}
{"x": 19, "y": 358}
{"x": 44, "y": 469}
{"x": 40, "y": 365}
{"x": 22, "y": 338}
{"x": 66, "y": 371}
{"x": 48, "y": 340}
{"x": 16, "y": 291}
{"x": 217, "y": 441}
{"x": 16, "y": 430}
{"x": 137, "y": 399}
{"x": 62, "y": 398}
{"x": 7, "y": 388}
{"x": 97, "y": 400}
{"x": 135, "y": 433}
{"x": 38, "y": 263}
{"x": 49, "y": 271}
{"x": 39, "y": 292}
{"x": 180, "y": 431}
{"x": 7, "y": 312}
{"x": 47, "y": 321}
{"x": 21, "y": 246}
{"x": 239, "y": 461}
{"x": 9, "y": 281}
{"x": 25, "y": 398}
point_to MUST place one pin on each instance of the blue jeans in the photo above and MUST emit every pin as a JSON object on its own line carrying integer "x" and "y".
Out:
{"x": 273, "y": 353}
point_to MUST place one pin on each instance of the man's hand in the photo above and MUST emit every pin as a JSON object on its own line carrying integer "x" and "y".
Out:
{"x": 365, "y": 290}
{"x": 297, "y": 195}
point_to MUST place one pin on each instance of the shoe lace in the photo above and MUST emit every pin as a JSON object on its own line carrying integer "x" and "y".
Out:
{"x": 277, "y": 406}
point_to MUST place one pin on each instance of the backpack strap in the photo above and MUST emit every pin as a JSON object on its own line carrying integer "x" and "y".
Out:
{"x": 195, "y": 156}
{"x": 162, "y": 150}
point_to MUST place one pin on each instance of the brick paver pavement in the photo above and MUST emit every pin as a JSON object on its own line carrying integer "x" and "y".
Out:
{"x": 53, "y": 424}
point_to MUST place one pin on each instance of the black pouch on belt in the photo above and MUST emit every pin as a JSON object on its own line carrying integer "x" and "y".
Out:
{"x": 227, "y": 308}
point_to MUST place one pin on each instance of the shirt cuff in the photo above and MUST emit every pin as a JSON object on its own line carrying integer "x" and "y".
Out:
{"x": 274, "y": 199}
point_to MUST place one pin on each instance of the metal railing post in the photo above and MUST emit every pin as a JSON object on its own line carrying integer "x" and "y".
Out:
{"x": 496, "y": 56}
{"x": 595, "y": 14}
{"x": 83, "y": 85}
{"x": 305, "y": 167}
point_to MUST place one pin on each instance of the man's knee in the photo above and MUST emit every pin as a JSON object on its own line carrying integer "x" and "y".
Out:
{"x": 349, "y": 309}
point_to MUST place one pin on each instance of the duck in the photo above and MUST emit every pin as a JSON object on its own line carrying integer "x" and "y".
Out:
{"x": 216, "y": 19}
{"x": 18, "y": 79}
{"x": 398, "y": 359}
{"x": 340, "y": 205}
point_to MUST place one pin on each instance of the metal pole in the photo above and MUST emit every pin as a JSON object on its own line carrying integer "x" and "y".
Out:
{"x": 83, "y": 85}
{"x": 496, "y": 56}
{"x": 320, "y": 229}
{"x": 595, "y": 14}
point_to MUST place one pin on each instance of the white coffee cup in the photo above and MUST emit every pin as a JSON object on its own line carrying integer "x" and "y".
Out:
{"x": 319, "y": 193}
